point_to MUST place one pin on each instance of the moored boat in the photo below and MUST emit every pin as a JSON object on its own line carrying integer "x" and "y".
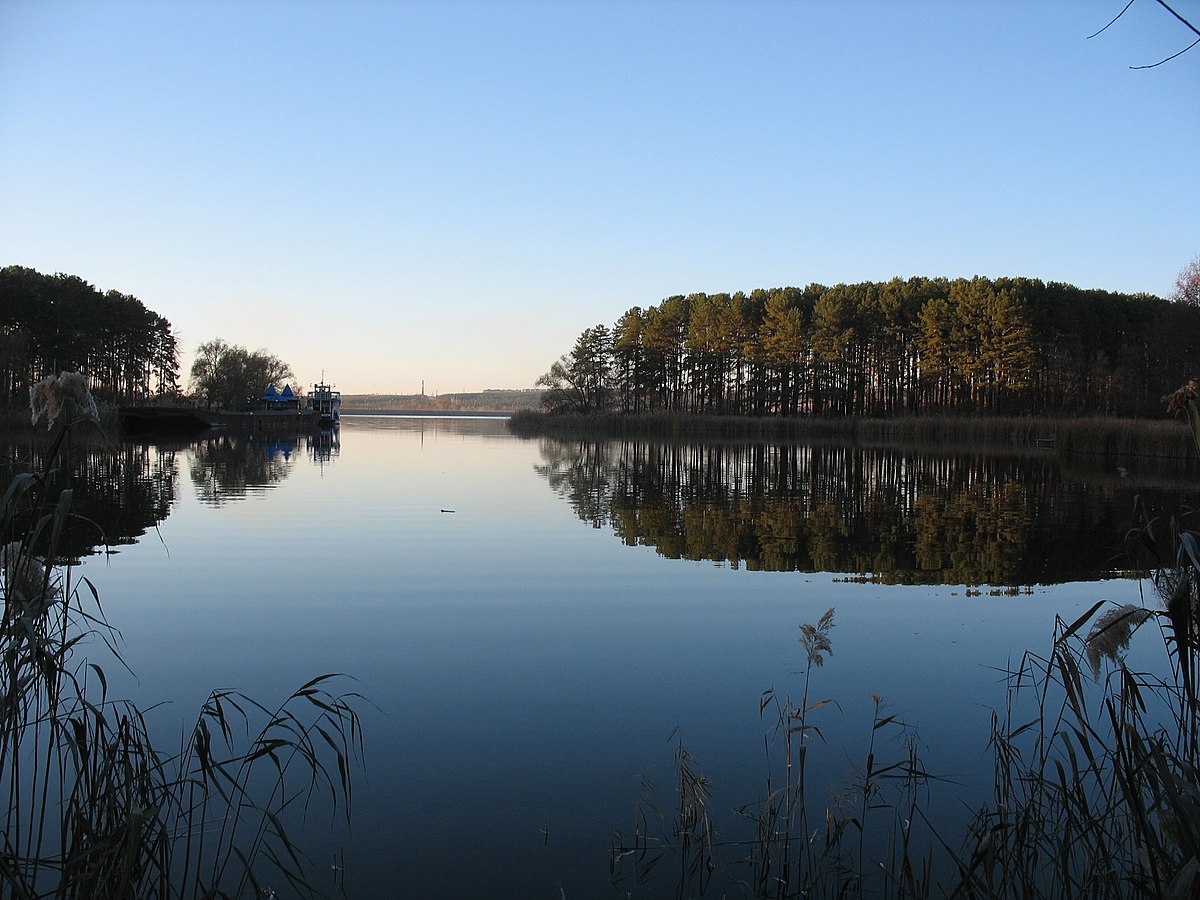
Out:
{"x": 327, "y": 404}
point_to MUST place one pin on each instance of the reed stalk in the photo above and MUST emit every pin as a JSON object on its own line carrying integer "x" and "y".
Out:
{"x": 1096, "y": 787}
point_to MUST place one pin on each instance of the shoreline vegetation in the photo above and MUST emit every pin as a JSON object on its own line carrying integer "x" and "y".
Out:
{"x": 1154, "y": 438}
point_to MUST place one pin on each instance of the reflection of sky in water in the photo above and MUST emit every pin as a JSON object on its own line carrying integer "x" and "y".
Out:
{"x": 527, "y": 669}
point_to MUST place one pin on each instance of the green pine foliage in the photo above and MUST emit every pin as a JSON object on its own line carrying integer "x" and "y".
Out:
{"x": 1016, "y": 346}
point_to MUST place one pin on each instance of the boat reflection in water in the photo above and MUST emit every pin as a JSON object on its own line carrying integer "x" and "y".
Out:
{"x": 325, "y": 445}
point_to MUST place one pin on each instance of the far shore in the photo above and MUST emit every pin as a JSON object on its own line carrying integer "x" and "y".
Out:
{"x": 443, "y": 413}
{"x": 1162, "y": 438}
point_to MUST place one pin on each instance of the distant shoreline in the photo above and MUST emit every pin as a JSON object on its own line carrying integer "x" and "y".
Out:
{"x": 431, "y": 413}
{"x": 490, "y": 402}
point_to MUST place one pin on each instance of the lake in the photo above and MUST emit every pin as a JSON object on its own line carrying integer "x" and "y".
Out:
{"x": 535, "y": 624}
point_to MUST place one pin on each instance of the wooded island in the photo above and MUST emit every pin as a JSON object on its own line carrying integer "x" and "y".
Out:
{"x": 1016, "y": 346}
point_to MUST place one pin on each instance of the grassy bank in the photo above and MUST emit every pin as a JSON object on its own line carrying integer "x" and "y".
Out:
{"x": 1163, "y": 438}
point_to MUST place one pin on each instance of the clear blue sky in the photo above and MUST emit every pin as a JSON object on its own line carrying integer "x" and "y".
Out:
{"x": 452, "y": 191}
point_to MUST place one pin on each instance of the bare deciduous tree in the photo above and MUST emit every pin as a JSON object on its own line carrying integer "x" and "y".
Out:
{"x": 1187, "y": 285}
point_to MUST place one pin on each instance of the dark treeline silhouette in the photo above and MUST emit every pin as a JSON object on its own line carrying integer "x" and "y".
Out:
{"x": 922, "y": 345}
{"x": 908, "y": 518}
{"x": 53, "y": 323}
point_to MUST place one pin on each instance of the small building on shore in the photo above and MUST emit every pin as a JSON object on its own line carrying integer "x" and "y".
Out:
{"x": 274, "y": 400}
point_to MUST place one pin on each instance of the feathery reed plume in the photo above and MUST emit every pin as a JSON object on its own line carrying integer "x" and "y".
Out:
{"x": 1111, "y": 633}
{"x": 1177, "y": 400}
{"x": 1182, "y": 403}
{"x": 48, "y": 396}
{"x": 815, "y": 638}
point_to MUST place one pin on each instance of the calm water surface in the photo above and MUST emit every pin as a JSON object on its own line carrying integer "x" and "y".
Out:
{"x": 532, "y": 620}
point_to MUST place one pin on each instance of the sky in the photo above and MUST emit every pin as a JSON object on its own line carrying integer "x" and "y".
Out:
{"x": 398, "y": 194}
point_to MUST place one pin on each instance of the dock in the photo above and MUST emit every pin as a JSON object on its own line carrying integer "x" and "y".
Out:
{"x": 193, "y": 420}
{"x": 166, "y": 419}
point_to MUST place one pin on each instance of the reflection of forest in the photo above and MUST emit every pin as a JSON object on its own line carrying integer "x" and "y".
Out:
{"x": 891, "y": 516}
{"x": 119, "y": 492}
{"x": 231, "y": 466}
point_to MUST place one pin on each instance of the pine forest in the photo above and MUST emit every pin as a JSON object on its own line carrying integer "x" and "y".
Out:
{"x": 1015, "y": 346}
{"x": 53, "y": 323}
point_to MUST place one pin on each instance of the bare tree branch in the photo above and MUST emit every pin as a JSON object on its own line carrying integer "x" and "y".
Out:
{"x": 1114, "y": 18}
{"x": 1168, "y": 8}
{"x": 1163, "y": 4}
{"x": 1193, "y": 28}
{"x": 1171, "y": 57}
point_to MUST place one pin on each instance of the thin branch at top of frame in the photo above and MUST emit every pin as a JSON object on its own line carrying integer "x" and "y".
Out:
{"x": 1169, "y": 9}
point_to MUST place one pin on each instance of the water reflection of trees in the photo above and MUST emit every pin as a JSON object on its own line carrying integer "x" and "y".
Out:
{"x": 881, "y": 514}
{"x": 119, "y": 492}
{"x": 231, "y": 466}
{"x": 122, "y": 490}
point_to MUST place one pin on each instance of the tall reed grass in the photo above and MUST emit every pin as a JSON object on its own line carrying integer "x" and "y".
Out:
{"x": 90, "y": 806}
{"x": 1096, "y": 784}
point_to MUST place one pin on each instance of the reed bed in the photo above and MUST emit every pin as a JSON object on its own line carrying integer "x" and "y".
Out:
{"x": 1096, "y": 789}
{"x": 1165, "y": 438}
{"x": 90, "y": 806}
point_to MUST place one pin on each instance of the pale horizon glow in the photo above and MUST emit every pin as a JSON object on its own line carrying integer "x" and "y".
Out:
{"x": 450, "y": 192}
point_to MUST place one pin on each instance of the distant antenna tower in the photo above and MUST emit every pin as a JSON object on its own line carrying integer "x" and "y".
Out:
{"x": 422, "y": 387}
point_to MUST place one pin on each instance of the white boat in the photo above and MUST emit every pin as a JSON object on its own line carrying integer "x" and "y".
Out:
{"x": 327, "y": 404}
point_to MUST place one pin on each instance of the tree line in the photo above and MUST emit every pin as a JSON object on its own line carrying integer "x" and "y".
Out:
{"x": 53, "y": 323}
{"x": 978, "y": 345}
